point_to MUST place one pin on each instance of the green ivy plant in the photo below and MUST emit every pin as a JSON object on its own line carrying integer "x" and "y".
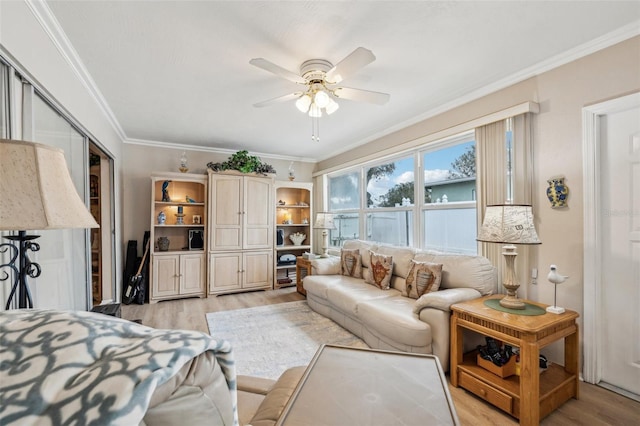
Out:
{"x": 243, "y": 162}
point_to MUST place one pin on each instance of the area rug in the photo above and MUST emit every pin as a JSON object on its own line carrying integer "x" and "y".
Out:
{"x": 269, "y": 339}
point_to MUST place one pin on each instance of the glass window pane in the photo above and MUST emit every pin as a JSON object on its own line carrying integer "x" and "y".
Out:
{"x": 344, "y": 191}
{"x": 450, "y": 174}
{"x": 450, "y": 230}
{"x": 347, "y": 228}
{"x": 390, "y": 184}
{"x": 63, "y": 255}
{"x": 391, "y": 227}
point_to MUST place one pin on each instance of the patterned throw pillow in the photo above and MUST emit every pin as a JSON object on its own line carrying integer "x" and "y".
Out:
{"x": 351, "y": 263}
{"x": 424, "y": 277}
{"x": 380, "y": 270}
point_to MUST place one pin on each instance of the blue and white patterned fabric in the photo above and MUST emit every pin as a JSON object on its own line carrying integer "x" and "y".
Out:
{"x": 81, "y": 368}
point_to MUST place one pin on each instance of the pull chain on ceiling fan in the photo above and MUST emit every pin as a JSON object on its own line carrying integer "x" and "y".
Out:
{"x": 321, "y": 78}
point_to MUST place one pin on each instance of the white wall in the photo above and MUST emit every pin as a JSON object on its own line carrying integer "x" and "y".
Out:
{"x": 142, "y": 160}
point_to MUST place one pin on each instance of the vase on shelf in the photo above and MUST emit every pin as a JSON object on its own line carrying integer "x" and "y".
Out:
{"x": 163, "y": 244}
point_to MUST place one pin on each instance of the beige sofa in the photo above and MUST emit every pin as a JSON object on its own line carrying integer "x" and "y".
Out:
{"x": 385, "y": 319}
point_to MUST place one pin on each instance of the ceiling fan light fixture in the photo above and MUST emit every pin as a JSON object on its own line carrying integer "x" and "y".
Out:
{"x": 315, "y": 111}
{"x": 332, "y": 107}
{"x": 303, "y": 103}
{"x": 321, "y": 99}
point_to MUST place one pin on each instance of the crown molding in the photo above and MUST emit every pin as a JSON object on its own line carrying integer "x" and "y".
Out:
{"x": 52, "y": 27}
{"x": 212, "y": 149}
{"x": 607, "y": 40}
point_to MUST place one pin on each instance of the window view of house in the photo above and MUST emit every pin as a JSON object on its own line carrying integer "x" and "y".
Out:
{"x": 445, "y": 205}
{"x": 449, "y": 210}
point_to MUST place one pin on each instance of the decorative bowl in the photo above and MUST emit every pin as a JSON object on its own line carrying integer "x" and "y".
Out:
{"x": 297, "y": 238}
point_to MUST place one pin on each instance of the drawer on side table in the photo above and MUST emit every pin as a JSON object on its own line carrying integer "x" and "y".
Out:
{"x": 486, "y": 392}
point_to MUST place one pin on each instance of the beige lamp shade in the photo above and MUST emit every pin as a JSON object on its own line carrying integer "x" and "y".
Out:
{"x": 324, "y": 221}
{"x": 36, "y": 190}
{"x": 508, "y": 224}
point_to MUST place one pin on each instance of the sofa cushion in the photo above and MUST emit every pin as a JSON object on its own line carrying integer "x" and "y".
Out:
{"x": 351, "y": 263}
{"x": 346, "y": 296}
{"x": 380, "y": 270}
{"x": 463, "y": 271}
{"x": 325, "y": 265}
{"x": 394, "y": 317}
{"x": 319, "y": 285}
{"x": 363, "y": 246}
{"x": 424, "y": 277}
{"x": 402, "y": 257}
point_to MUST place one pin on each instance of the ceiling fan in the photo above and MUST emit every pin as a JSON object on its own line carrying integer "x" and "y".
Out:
{"x": 321, "y": 81}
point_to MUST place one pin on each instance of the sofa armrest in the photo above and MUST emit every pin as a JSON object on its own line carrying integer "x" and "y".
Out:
{"x": 443, "y": 299}
{"x": 326, "y": 266}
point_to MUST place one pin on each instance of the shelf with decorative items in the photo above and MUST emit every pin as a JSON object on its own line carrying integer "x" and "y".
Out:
{"x": 293, "y": 229}
{"x": 178, "y": 235}
{"x": 96, "y": 243}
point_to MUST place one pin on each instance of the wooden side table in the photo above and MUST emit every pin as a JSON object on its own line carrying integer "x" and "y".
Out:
{"x": 303, "y": 268}
{"x": 532, "y": 395}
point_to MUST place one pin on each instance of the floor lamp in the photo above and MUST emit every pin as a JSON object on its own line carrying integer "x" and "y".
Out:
{"x": 36, "y": 193}
{"x": 324, "y": 221}
{"x": 509, "y": 224}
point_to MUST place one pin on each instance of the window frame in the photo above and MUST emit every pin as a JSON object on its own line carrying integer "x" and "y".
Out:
{"x": 418, "y": 208}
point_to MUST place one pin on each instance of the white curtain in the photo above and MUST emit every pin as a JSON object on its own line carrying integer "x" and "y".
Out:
{"x": 493, "y": 182}
{"x": 523, "y": 179}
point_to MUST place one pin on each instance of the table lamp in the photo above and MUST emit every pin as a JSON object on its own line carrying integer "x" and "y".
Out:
{"x": 36, "y": 193}
{"x": 324, "y": 221}
{"x": 509, "y": 224}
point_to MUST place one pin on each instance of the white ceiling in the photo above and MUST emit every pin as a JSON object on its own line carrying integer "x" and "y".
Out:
{"x": 179, "y": 72}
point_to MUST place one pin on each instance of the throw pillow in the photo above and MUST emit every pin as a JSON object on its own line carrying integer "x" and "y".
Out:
{"x": 380, "y": 270}
{"x": 424, "y": 277}
{"x": 351, "y": 263}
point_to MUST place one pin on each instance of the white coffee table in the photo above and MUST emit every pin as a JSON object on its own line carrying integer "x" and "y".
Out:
{"x": 354, "y": 386}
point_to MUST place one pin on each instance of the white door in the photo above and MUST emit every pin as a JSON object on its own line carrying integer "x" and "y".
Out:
{"x": 612, "y": 245}
{"x": 620, "y": 153}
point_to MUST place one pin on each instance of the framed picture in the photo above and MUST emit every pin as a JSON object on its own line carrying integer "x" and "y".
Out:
{"x": 197, "y": 219}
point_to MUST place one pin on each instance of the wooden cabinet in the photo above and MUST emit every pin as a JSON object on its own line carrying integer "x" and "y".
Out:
{"x": 241, "y": 218}
{"x": 177, "y": 275}
{"x": 293, "y": 216}
{"x": 240, "y": 271}
{"x": 240, "y": 232}
{"x": 178, "y": 235}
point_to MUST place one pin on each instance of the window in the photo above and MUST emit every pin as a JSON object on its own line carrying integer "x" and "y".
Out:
{"x": 344, "y": 199}
{"x": 390, "y": 184}
{"x": 433, "y": 209}
{"x": 344, "y": 192}
{"x": 449, "y": 209}
{"x": 391, "y": 193}
{"x": 429, "y": 197}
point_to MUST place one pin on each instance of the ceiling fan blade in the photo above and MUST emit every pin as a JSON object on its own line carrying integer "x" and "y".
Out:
{"x": 362, "y": 95}
{"x": 279, "y": 99}
{"x": 350, "y": 65}
{"x": 277, "y": 70}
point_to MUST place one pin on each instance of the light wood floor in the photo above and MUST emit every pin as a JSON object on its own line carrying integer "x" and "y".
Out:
{"x": 596, "y": 406}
